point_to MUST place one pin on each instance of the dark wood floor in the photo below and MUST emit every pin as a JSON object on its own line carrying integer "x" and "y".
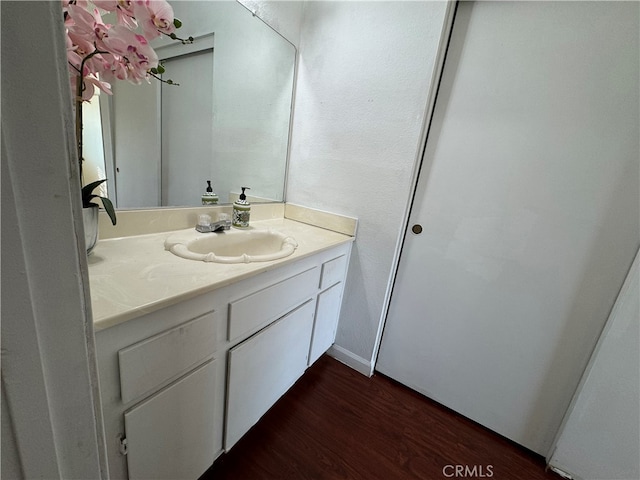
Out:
{"x": 335, "y": 423}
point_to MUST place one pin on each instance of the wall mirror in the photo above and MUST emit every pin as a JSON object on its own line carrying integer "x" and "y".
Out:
{"x": 228, "y": 121}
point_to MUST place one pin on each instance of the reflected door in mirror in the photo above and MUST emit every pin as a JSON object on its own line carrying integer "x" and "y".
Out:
{"x": 187, "y": 125}
{"x": 163, "y": 152}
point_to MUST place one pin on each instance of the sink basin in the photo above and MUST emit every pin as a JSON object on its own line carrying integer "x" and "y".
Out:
{"x": 231, "y": 246}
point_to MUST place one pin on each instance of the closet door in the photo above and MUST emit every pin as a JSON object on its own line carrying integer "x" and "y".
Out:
{"x": 525, "y": 219}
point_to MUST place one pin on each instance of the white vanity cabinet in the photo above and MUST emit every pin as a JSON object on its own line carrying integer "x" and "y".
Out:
{"x": 162, "y": 386}
{"x": 182, "y": 384}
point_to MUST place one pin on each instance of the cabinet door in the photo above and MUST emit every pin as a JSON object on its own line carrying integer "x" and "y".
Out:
{"x": 263, "y": 367}
{"x": 171, "y": 434}
{"x": 326, "y": 321}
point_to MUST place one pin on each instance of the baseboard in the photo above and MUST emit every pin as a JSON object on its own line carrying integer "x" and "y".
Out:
{"x": 350, "y": 359}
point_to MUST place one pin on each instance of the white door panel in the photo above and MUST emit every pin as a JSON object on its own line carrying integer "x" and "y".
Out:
{"x": 187, "y": 129}
{"x": 529, "y": 206}
{"x": 137, "y": 148}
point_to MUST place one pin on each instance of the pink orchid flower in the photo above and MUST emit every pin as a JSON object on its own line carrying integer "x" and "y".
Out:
{"x": 88, "y": 86}
{"x": 101, "y": 84}
{"x": 113, "y": 52}
{"x": 155, "y": 17}
{"x": 74, "y": 60}
{"x": 81, "y": 3}
{"x": 133, "y": 47}
{"x": 83, "y": 45}
{"x": 106, "y": 5}
{"x": 100, "y": 29}
{"x": 82, "y": 21}
{"x": 125, "y": 13}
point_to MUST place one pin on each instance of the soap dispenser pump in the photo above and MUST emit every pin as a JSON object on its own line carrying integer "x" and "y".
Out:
{"x": 209, "y": 197}
{"x": 241, "y": 210}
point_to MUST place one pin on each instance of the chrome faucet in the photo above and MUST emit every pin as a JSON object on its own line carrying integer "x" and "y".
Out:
{"x": 205, "y": 225}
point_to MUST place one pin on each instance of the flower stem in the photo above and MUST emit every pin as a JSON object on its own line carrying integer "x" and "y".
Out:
{"x": 168, "y": 82}
{"x": 79, "y": 121}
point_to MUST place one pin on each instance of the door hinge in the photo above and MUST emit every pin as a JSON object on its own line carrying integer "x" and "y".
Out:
{"x": 124, "y": 445}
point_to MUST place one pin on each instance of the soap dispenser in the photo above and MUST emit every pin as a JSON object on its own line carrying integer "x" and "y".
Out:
{"x": 209, "y": 197}
{"x": 241, "y": 210}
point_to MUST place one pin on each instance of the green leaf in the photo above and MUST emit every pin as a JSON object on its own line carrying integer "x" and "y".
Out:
{"x": 88, "y": 196}
{"x": 87, "y": 191}
{"x": 108, "y": 206}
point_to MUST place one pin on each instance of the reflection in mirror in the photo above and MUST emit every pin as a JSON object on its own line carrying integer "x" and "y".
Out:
{"x": 227, "y": 122}
{"x": 93, "y": 167}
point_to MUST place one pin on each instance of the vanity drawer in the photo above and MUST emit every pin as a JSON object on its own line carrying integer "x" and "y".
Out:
{"x": 333, "y": 271}
{"x": 155, "y": 360}
{"x": 260, "y": 308}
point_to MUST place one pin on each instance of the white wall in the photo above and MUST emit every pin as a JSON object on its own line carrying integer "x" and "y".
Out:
{"x": 283, "y": 16}
{"x": 600, "y": 437}
{"x": 364, "y": 73}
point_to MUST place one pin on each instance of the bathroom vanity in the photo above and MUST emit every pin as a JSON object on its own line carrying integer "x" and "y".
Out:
{"x": 192, "y": 354}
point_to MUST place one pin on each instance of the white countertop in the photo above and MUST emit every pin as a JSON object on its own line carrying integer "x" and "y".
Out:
{"x": 132, "y": 276}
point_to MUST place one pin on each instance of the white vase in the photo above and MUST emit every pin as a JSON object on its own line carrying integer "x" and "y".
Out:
{"x": 90, "y": 220}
